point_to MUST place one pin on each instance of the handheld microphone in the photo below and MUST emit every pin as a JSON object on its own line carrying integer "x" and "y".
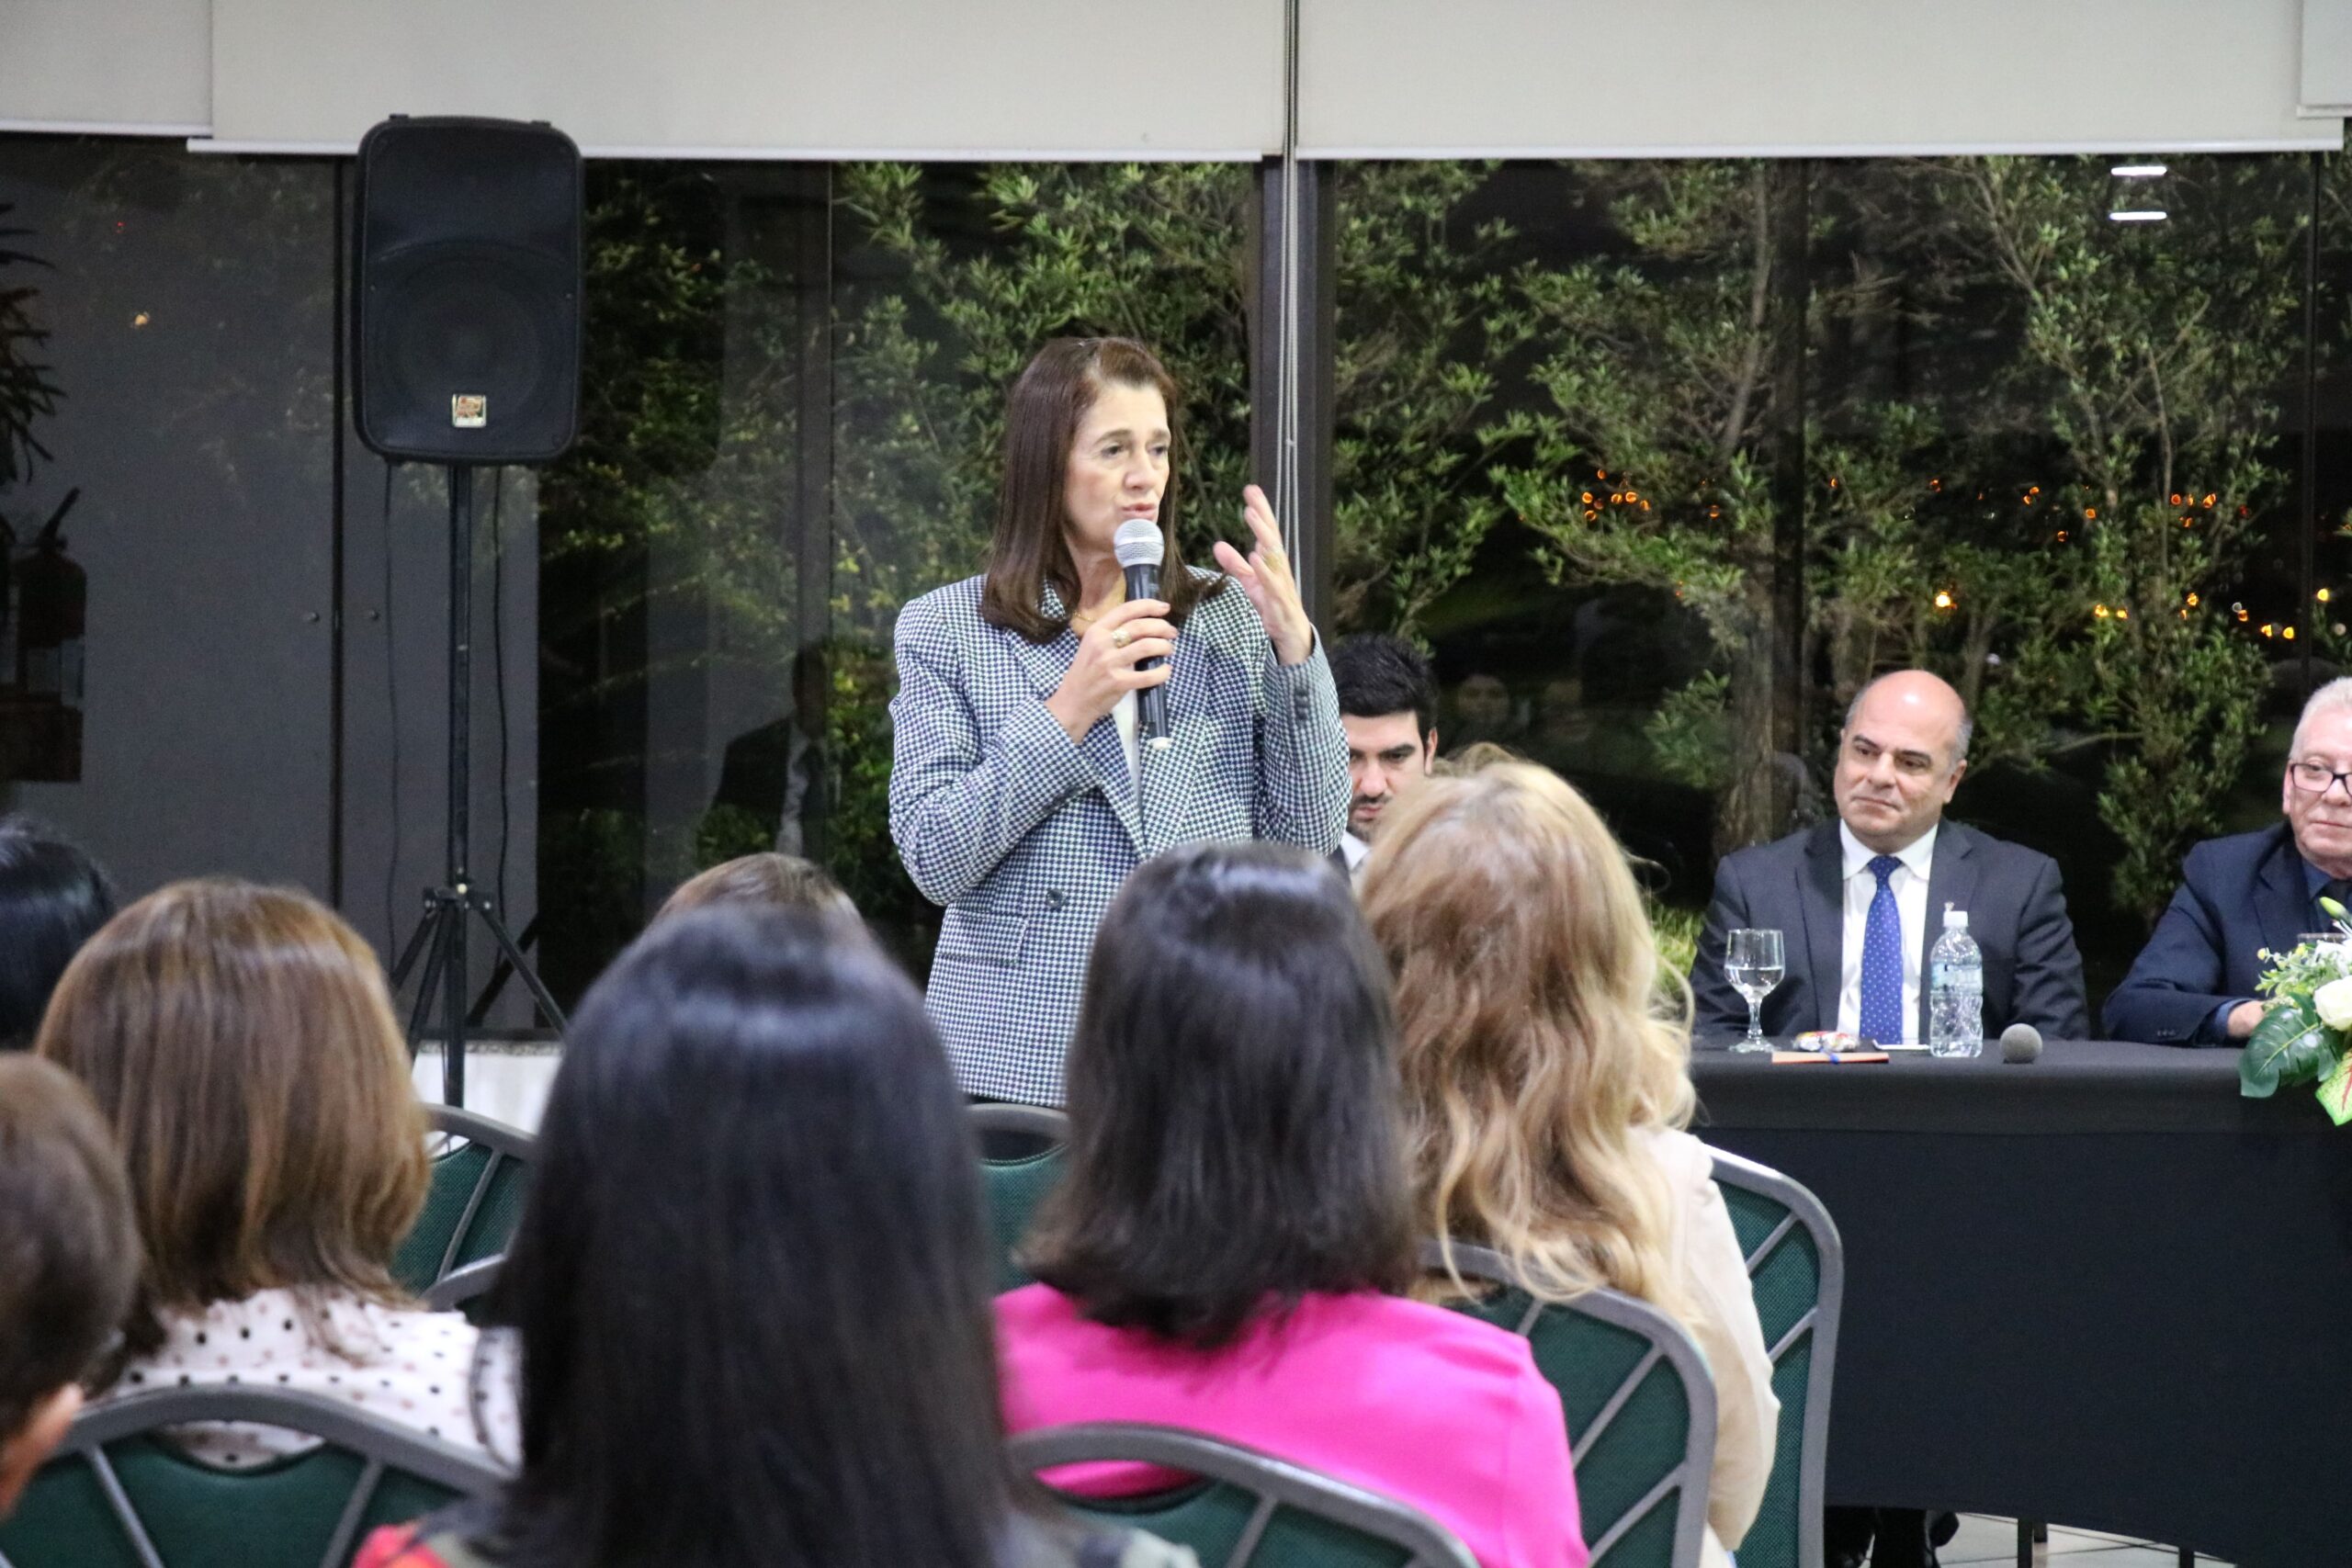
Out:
{"x": 1140, "y": 550}
{"x": 2020, "y": 1043}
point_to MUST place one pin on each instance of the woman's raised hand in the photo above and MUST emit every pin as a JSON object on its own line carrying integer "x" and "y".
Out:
{"x": 1104, "y": 669}
{"x": 1266, "y": 578}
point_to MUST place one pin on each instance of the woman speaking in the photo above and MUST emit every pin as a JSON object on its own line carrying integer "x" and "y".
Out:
{"x": 1020, "y": 797}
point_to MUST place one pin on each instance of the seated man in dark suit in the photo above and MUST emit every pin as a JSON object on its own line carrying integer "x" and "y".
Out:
{"x": 2193, "y": 984}
{"x": 1889, "y": 868}
{"x": 1858, "y": 902}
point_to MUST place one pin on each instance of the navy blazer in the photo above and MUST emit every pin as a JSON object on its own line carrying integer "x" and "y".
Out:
{"x": 2016, "y": 912}
{"x": 2238, "y": 895}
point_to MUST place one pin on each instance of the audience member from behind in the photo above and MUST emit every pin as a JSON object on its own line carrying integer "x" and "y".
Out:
{"x": 52, "y": 897}
{"x": 240, "y": 1041}
{"x": 751, "y": 1283}
{"x": 768, "y": 881}
{"x": 1388, "y": 706}
{"x": 69, "y": 1259}
{"x": 1547, "y": 1085}
{"x": 2244, "y": 897}
{"x": 1235, "y": 1213}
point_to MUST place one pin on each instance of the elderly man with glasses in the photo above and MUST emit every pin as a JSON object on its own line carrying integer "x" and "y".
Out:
{"x": 2248, "y": 894}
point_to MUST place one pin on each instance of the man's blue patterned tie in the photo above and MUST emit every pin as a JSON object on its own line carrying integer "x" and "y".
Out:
{"x": 1882, "y": 1013}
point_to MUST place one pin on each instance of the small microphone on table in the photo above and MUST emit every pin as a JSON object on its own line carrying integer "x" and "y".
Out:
{"x": 2020, "y": 1043}
{"x": 1140, "y": 549}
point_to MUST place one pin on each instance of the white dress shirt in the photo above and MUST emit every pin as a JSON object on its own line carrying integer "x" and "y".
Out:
{"x": 1909, "y": 881}
{"x": 1357, "y": 851}
{"x": 1128, "y": 716}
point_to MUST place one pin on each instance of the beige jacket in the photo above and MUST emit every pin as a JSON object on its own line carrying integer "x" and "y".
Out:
{"x": 1723, "y": 1323}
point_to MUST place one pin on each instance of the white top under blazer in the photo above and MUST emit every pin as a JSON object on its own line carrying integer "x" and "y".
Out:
{"x": 1025, "y": 835}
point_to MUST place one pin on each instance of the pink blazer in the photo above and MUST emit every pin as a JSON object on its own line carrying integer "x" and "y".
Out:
{"x": 1429, "y": 1406}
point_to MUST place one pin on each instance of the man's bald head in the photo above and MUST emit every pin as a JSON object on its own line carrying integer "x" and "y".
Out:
{"x": 1903, "y": 753}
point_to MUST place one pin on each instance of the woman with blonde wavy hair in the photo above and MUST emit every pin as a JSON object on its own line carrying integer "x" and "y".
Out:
{"x": 1546, "y": 1060}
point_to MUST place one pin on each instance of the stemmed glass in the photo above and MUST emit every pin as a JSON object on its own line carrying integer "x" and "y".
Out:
{"x": 1753, "y": 963}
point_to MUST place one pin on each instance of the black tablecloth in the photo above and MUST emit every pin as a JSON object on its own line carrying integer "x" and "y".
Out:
{"x": 2101, "y": 1289}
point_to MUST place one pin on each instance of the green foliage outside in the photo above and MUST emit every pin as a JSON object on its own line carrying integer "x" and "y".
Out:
{"x": 2053, "y": 524}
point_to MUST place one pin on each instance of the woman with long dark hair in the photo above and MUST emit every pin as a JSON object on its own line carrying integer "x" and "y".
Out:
{"x": 1221, "y": 1254}
{"x": 1020, "y": 796}
{"x": 751, "y": 1283}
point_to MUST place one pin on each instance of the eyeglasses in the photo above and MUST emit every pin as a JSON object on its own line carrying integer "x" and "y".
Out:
{"x": 2318, "y": 778}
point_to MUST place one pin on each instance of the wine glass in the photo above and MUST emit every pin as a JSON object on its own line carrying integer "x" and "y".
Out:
{"x": 1753, "y": 963}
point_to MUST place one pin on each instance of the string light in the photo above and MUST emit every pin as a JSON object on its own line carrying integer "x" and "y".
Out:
{"x": 1943, "y": 599}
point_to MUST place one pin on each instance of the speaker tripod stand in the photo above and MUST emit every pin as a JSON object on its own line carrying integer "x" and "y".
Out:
{"x": 440, "y": 936}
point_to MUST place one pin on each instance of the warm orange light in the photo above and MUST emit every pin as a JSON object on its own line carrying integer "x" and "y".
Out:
{"x": 2090, "y": 514}
{"x": 2268, "y": 628}
{"x": 1943, "y": 599}
{"x": 2322, "y": 595}
{"x": 2176, "y": 498}
{"x": 1616, "y": 498}
{"x": 2289, "y": 634}
{"x": 1588, "y": 498}
{"x": 2208, "y": 498}
{"x": 2099, "y": 610}
{"x": 140, "y": 320}
{"x": 2192, "y": 599}
{"x": 2122, "y": 614}
{"x": 2062, "y": 536}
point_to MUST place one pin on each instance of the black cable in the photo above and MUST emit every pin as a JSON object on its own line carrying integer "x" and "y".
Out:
{"x": 393, "y": 696}
{"x": 498, "y": 669}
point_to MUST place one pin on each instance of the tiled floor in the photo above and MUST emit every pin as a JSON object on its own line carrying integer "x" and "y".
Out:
{"x": 1984, "y": 1540}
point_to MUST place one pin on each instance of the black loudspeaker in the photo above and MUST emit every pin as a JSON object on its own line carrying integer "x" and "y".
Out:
{"x": 466, "y": 299}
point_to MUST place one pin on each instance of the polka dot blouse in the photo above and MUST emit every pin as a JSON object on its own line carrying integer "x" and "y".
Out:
{"x": 407, "y": 1366}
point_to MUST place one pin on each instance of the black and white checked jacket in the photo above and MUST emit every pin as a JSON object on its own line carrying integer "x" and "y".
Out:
{"x": 1025, "y": 836}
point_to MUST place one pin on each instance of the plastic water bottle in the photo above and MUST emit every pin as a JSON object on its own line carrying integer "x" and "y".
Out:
{"x": 1955, "y": 990}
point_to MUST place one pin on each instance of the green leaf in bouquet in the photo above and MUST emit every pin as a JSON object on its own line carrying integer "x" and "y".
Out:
{"x": 2289, "y": 1046}
{"x": 2336, "y": 1090}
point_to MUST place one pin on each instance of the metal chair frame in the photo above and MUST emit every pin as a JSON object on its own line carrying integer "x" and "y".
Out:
{"x": 1038, "y": 1121}
{"x": 504, "y": 1144}
{"x": 1274, "y": 1483}
{"x": 380, "y": 1444}
{"x": 1670, "y": 1342}
{"x": 1821, "y": 1322}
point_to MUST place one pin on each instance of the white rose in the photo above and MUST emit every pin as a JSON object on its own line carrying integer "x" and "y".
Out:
{"x": 2333, "y": 1002}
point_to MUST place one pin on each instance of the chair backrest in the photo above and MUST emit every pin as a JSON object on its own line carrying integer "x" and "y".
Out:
{"x": 1246, "y": 1507}
{"x": 119, "y": 1494}
{"x": 1027, "y": 1164}
{"x": 1796, "y": 1270}
{"x": 478, "y": 1185}
{"x": 1640, "y": 1404}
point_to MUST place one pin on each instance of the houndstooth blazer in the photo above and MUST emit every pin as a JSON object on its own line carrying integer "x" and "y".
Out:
{"x": 1025, "y": 836}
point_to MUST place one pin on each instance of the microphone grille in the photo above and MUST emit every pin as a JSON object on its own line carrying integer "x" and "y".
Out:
{"x": 2020, "y": 1043}
{"x": 1138, "y": 543}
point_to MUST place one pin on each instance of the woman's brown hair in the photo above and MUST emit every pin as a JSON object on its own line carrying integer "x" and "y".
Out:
{"x": 1041, "y": 420}
{"x": 240, "y": 1041}
{"x": 769, "y": 880}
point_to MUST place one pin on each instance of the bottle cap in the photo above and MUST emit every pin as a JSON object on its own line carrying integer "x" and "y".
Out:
{"x": 1955, "y": 920}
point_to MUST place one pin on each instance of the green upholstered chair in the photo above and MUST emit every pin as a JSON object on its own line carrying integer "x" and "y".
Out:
{"x": 117, "y": 1494}
{"x": 1246, "y": 1509}
{"x": 1026, "y": 1163}
{"x": 478, "y": 1185}
{"x": 1640, "y": 1405}
{"x": 1796, "y": 1269}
